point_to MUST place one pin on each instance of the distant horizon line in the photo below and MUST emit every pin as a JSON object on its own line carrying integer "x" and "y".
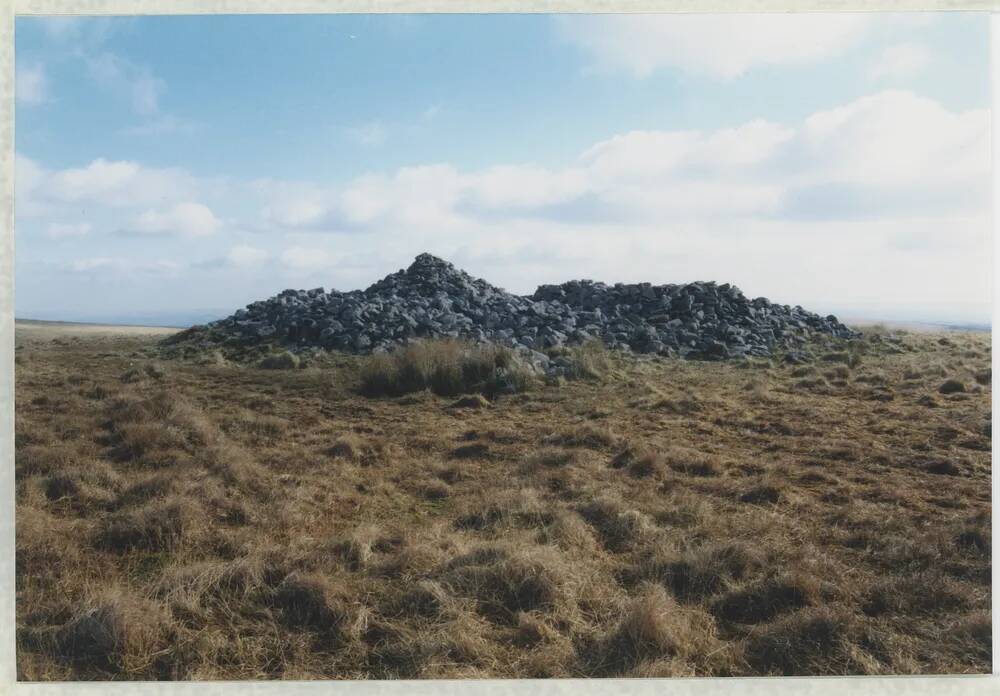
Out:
{"x": 145, "y": 321}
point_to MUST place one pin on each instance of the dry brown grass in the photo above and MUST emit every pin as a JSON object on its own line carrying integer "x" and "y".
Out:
{"x": 447, "y": 368}
{"x": 200, "y": 519}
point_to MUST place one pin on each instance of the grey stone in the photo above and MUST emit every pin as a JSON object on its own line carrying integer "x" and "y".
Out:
{"x": 431, "y": 298}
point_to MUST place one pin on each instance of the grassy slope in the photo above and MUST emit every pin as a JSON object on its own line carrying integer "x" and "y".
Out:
{"x": 195, "y": 521}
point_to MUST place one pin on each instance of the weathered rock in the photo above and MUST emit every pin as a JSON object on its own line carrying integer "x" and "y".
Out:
{"x": 433, "y": 299}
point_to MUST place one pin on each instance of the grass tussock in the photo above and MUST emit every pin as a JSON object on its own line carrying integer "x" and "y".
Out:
{"x": 952, "y": 386}
{"x": 588, "y": 360}
{"x": 639, "y": 462}
{"x": 761, "y": 601}
{"x": 762, "y": 494}
{"x": 364, "y": 451}
{"x": 702, "y": 571}
{"x": 551, "y": 458}
{"x": 973, "y": 636}
{"x": 471, "y": 401}
{"x": 923, "y": 592}
{"x": 644, "y": 517}
{"x": 308, "y": 602}
{"x": 692, "y": 462}
{"x": 280, "y": 361}
{"x": 355, "y": 549}
{"x": 585, "y": 436}
{"x": 653, "y": 628}
{"x": 619, "y": 528}
{"x": 447, "y": 368}
{"x": 205, "y": 583}
{"x": 115, "y": 632}
{"x": 815, "y": 641}
{"x": 570, "y": 532}
{"x": 507, "y": 584}
{"x": 91, "y": 484}
{"x": 427, "y": 599}
{"x": 158, "y": 526}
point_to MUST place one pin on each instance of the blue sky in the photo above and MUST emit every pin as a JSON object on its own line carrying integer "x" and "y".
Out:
{"x": 184, "y": 166}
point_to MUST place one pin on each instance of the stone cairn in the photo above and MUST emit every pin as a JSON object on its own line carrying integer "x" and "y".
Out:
{"x": 433, "y": 299}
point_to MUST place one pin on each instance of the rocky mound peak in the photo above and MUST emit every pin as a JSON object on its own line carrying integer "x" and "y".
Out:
{"x": 433, "y": 299}
{"x": 429, "y": 264}
{"x": 429, "y": 276}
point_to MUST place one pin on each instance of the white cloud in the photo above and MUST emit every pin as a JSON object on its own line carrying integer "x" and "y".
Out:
{"x": 90, "y": 264}
{"x": 718, "y": 45}
{"x": 81, "y": 32}
{"x": 146, "y": 91}
{"x": 883, "y": 199}
{"x": 652, "y": 153}
{"x": 838, "y": 162}
{"x": 61, "y": 27}
{"x": 243, "y": 256}
{"x": 131, "y": 81}
{"x": 292, "y": 204}
{"x": 135, "y": 81}
{"x": 102, "y": 182}
{"x": 908, "y": 150}
{"x": 62, "y": 230}
{"x": 895, "y": 140}
{"x": 187, "y": 219}
{"x": 519, "y": 186}
{"x": 847, "y": 203}
{"x": 371, "y": 134}
{"x": 307, "y": 259}
{"x": 99, "y": 180}
{"x": 900, "y": 61}
{"x": 410, "y": 196}
{"x": 163, "y": 125}
{"x": 31, "y": 85}
{"x": 28, "y": 175}
{"x": 132, "y": 267}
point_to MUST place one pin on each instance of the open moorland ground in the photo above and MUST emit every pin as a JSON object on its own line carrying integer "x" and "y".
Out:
{"x": 181, "y": 519}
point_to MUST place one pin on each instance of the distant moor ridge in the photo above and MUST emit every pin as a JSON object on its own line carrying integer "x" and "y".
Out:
{"x": 433, "y": 299}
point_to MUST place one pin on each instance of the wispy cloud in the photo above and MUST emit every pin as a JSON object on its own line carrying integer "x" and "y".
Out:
{"x": 111, "y": 264}
{"x": 749, "y": 204}
{"x": 87, "y": 39}
{"x": 82, "y": 33}
{"x": 165, "y": 124}
{"x": 306, "y": 259}
{"x": 31, "y": 85}
{"x": 721, "y": 46}
{"x": 185, "y": 219}
{"x": 372, "y": 134}
{"x": 892, "y": 142}
{"x": 112, "y": 183}
{"x": 866, "y": 181}
{"x": 244, "y": 256}
{"x": 901, "y": 61}
{"x": 240, "y": 257}
{"x": 62, "y": 230}
{"x": 116, "y": 74}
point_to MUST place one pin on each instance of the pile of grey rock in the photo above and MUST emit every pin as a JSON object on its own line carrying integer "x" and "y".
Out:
{"x": 433, "y": 299}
